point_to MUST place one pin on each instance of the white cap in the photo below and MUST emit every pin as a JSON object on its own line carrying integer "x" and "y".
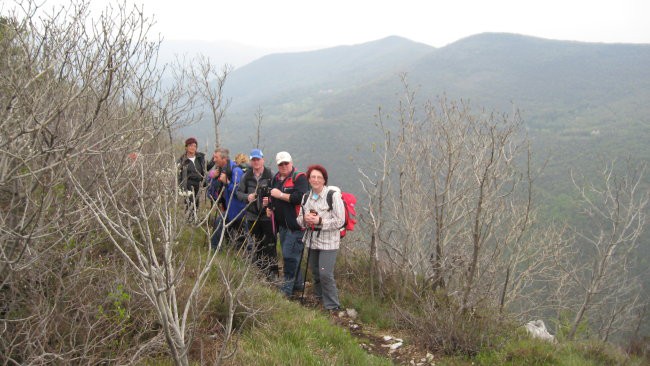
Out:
{"x": 282, "y": 157}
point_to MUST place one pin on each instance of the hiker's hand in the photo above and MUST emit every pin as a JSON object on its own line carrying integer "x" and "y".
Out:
{"x": 252, "y": 197}
{"x": 311, "y": 218}
{"x": 276, "y": 193}
{"x": 265, "y": 201}
{"x": 269, "y": 212}
{"x": 223, "y": 178}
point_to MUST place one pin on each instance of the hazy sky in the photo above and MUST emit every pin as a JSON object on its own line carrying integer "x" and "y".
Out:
{"x": 306, "y": 24}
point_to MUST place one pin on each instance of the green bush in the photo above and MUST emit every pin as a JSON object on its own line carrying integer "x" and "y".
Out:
{"x": 599, "y": 353}
{"x": 564, "y": 325}
{"x": 527, "y": 351}
{"x": 521, "y": 352}
{"x": 371, "y": 311}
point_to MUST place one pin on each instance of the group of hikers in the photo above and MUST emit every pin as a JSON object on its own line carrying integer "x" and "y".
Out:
{"x": 255, "y": 207}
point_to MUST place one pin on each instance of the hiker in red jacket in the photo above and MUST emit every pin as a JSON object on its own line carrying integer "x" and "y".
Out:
{"x": 288, "y": 187}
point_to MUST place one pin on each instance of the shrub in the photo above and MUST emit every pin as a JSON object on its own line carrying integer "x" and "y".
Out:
{"x": 442, "y": 326}
{"x": 599, "y": 353}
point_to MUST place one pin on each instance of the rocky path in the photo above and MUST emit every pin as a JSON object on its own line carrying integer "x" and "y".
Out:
{"x": 378, "y": 343}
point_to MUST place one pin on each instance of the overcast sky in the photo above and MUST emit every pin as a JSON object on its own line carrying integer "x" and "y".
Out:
{"x": 308, "y": 24}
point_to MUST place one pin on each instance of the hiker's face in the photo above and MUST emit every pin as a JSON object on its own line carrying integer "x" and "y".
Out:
{"x": 219, "y": 160}
{"x": 190, "y": 149}
{"x": 285, "y": 168}
{"x": 257, "y": 163}
{"x": 316, "y": 180}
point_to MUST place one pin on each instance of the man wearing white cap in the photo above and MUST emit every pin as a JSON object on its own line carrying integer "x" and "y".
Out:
{"x": 288, "y": 187}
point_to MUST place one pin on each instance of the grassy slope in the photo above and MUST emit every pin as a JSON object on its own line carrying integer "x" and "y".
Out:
{"x": 295, "y": 335}
{"x": 309, "y": 338}
{"x": 283, "y": 332}
{"x": 286, "y": 333}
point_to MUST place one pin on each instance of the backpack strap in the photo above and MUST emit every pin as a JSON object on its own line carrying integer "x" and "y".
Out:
{"x": 330, "y": 200}
{"x": 228, "y": 169}
{"x": 296, "y": 174}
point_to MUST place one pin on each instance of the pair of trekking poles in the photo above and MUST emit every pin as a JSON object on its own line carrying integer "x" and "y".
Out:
{"x": 304, "y": 278}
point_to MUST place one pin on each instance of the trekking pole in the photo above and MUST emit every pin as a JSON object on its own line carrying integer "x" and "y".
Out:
{"x": 304, "y": 279}
{"x": 270, "y": 207}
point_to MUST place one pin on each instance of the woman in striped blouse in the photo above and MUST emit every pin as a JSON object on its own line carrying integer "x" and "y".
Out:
{"x": 322, "y": 234}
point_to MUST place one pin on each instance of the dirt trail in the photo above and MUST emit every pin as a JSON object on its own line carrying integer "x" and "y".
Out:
{"x": 379, "y": 343}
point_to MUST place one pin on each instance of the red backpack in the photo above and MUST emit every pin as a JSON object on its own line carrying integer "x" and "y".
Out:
{"x": 349, "y": 201}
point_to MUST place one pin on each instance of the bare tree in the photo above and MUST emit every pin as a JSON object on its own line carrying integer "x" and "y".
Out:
{"x": 57, "y": 78}
{"x": 605, "y": 278}
{"x": 92, "y": 246}
{"x": 209, "y": 83}
{"x": 376, "y": 185}
{"x": 458, "y": 208}
{"x": 146, "y": 232}
{"x": 259, "y": 117}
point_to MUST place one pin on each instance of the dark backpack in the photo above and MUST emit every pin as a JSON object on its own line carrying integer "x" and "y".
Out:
{"x": 215, "y": 187}
{"x": 349, "y": 202}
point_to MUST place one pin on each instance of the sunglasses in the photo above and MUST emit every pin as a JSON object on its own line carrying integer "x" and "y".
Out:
{"x": 283, "y": 163}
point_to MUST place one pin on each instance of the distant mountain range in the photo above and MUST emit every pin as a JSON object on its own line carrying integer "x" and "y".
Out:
{"x": 278, "y": 78}
{"x": 219, "y": 52}
{"x": 578, "y": 100}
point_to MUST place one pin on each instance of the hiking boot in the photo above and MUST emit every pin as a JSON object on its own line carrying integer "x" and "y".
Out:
{"x": 335, "y": 311}
{"x": 299, "y": 288}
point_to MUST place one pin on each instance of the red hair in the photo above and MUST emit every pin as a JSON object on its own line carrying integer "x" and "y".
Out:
{"x": 318, "y": 167}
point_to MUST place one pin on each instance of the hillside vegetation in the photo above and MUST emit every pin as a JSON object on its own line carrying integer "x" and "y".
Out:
{"x": 577, "y": 100}
{"x": 105, "y": 260}
{"x": 582, "y": 105}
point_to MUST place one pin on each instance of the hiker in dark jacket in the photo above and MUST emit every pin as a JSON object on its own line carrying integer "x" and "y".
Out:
{"x": 191, "y": 173}
{"x": 289, "y": 186}
{"x": 255, "y": 183}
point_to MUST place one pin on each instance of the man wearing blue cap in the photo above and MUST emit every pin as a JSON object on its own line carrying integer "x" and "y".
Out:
{"x": 254, "y": 185}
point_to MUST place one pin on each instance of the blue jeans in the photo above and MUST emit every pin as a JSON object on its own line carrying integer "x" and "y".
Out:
{"x": 234, "y": 233}
{"x": 215, "y": 238}
{"x": 291, "y": 242}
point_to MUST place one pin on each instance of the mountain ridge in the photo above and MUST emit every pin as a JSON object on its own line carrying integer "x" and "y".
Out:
{"x": 326, "y": 68}
{"x": 322, "y": 104}
{"x": 345, "y": 67}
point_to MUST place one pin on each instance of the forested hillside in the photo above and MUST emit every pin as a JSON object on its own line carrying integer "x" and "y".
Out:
{"x": 577, "y": 100}
{"x": 581, "y": 103}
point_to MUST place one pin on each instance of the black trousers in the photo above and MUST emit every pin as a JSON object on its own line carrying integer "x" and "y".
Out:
{"x": 262, "y": 243}
{"x": 192, "y": 203}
